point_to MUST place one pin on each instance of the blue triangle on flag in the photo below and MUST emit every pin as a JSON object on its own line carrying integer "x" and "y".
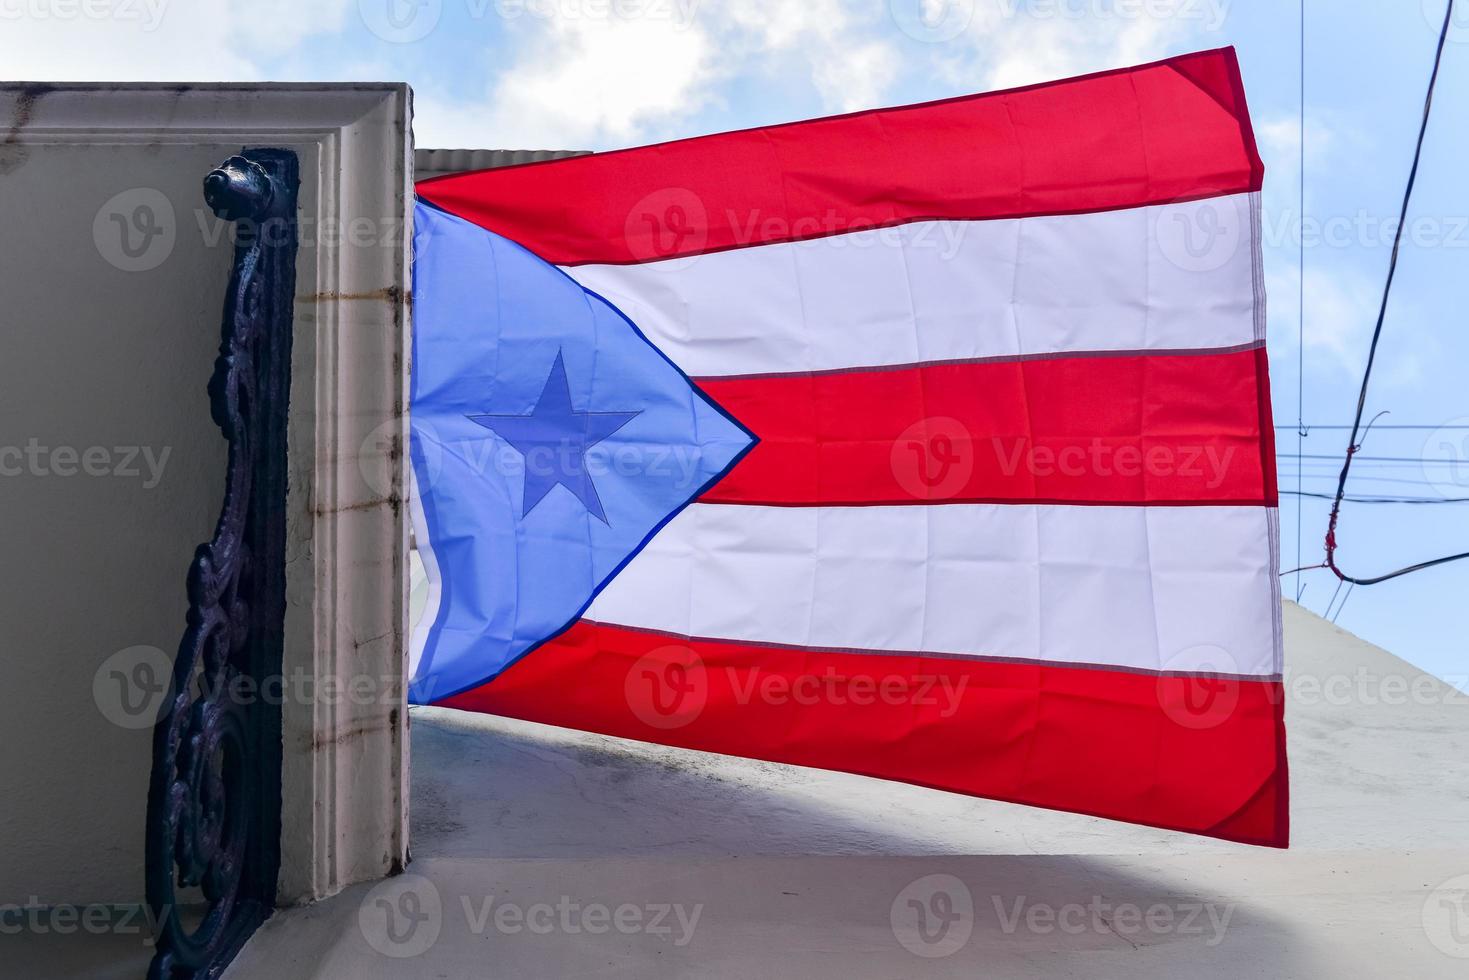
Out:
{"x": 550, "y": 442}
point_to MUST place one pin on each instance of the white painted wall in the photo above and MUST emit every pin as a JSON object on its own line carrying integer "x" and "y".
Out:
{"x": 103, "y": 370}
{"x": 104, "y": 348}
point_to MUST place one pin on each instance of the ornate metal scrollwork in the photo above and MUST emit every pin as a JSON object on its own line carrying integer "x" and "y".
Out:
{"x": 213, "y": 848}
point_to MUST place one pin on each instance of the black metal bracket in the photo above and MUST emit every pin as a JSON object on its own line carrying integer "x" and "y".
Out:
{"x": 214, "y": 801}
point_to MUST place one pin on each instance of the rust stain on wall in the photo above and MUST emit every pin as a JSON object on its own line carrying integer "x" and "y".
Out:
{"x": 13, "y": 154}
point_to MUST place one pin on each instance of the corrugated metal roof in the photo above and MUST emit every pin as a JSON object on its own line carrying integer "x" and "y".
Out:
{"x": 436, "y": 163}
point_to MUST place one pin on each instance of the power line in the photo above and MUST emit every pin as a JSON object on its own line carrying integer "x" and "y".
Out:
{"x": 1374, "y": 459}
{"x": 1421, "y": 428}
{"x": 1343, "y": 601}
{"x": 1402, "y": 481}
{"x": 1301, "y": 295}
{"x": 1352, "y": 444}
{"x": 1332, "y": 601}
{"x": 1378, "y": 500}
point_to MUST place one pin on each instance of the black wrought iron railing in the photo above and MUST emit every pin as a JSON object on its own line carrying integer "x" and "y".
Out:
{"x": 214, "y": 803}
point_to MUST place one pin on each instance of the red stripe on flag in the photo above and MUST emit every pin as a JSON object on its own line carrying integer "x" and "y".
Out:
{"x": 1193, "y": 753}
{"x": 1170, "y": 131}
{"x": 1131, "y": 429}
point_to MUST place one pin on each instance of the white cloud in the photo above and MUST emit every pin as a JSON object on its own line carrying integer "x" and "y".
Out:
{"x": 278, "y": 25}
{"x": 612, "y": 80}
{"x": 858, "y": 78}
{"x": 589, "y": 81}
{"x": 1341, "y": 310}
{"x": 152, "y": 40}
{"x": 1018, "y": 42}
{"x": 847, "y": 52}
{"x": 584, "y": 74}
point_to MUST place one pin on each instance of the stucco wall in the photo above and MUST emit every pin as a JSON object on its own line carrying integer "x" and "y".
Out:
{"x": 111, "y": 473}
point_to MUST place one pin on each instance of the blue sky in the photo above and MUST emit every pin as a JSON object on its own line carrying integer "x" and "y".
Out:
{"x": 596, "y": 74}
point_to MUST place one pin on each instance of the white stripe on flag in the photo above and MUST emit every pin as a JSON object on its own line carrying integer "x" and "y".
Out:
{"x": 1148, "y": 588}
{"x": 1170, "y": 277}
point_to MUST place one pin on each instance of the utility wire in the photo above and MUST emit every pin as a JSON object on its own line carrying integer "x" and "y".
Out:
{"x": 1301, "y": 295}
{"x": 1420, "y": 428}
{"x": 1332, "y": 601}
{"x": 1343, "y": 601}
{"x": 1375, "y": 459}
{"x": 1352, "y": 444}
{"x": 1378, "y": 500}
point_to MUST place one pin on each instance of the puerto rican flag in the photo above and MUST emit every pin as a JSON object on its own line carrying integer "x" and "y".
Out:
{"x": 929, "y": 443}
